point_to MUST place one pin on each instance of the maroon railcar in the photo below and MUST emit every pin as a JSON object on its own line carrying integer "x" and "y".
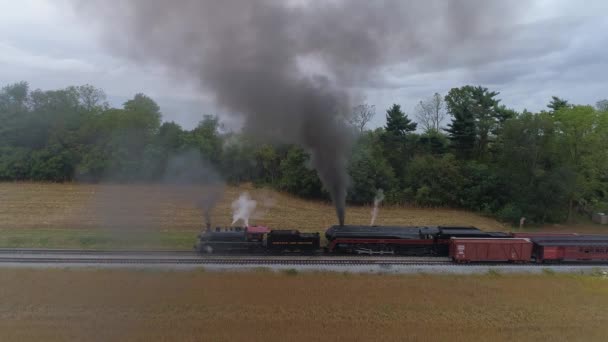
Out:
{"x": 490, "y": 250}
{"x": 582, "y": 248}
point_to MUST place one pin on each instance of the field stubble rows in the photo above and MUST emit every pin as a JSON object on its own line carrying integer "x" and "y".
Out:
{"x": 263, "y": 306}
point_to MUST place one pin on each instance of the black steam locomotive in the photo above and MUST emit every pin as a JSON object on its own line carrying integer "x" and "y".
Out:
{"x": 254, "y": 239}
{"x": 371, "y": 240}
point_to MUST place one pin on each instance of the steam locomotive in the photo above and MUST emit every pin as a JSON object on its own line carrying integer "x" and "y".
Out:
{"x": 461, "y": 244}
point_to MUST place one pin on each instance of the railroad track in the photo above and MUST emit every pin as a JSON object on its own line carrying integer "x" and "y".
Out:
{"x": 214, "y": 261}
{"x": 35, "y": 251}
{"x": 184, "y": 257}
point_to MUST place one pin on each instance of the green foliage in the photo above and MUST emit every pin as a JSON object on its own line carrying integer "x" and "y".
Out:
{"x": 397, "y": 121}
{"x": 396, "y": 139}
{"x": 15, "y": 163}
{"x": 432, "y": 142}
{"x": 369, "y": 170}
{"x": 556, "y": 104}
{"x": 477, "y": 119}
{"x": 462, "y": 130}
{"x": 602, "y": 105}
{"x": 206, "y": 138}
{"x": 482, "y": 189}
{"x": 297, "y": 177}
{"x": 434, "y": 181}
{"x": 510, "y": 213}
{"x": 544, "y": 166}
{"x": 268, "y": 162}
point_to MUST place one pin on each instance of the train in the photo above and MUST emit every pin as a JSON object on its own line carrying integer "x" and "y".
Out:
{"x": 461, "y": 244}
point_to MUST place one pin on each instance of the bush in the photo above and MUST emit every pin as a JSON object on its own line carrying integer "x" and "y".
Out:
{"x": 510, "y": 213}
{"x": 482, "y": 189}
{"x": 435, "y": 181}
{"x": 297, "y": 178}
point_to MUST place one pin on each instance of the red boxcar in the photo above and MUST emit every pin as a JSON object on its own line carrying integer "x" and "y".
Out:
{"x": 496, "y": 250}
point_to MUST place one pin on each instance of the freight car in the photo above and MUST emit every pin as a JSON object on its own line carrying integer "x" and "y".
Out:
{"x": 464, "y": 250}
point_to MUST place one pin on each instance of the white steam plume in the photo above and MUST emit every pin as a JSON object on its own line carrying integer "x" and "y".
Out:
{"x": 242, "y": 208}
{"x": 377, "y": 200}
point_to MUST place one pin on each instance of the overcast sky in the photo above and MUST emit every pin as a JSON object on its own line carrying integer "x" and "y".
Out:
{"x": 561, "y": 49}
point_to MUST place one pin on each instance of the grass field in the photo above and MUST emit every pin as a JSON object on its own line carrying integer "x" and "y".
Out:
{"x": 154, "y": 216}
{"x": 103, "y": 305}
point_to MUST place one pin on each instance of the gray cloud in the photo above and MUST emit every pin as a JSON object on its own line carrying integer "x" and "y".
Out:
{"x": 559, "y": 47}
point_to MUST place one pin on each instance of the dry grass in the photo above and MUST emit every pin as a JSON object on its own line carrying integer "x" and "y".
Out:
{"x": 155, "y": 216}
{"x": 61, "y": 206}
{"x": 55, "y": 305}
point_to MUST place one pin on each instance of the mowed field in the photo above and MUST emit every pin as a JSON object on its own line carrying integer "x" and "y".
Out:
{"x": 106, "y": 305}
{"x": 159, "y": 216}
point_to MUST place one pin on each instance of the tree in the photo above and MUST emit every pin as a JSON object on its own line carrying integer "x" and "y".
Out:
{"x": 207, "y": 139}
{"x": 145, "y": 111}
{"x": 91, "y": 99}
{"x": 362, "y": 115}
{"x": 170, "y": 136}
{"x": 431, "y": 113}
{"x": 476, "y": 119}
{"x": 369, "y": 170}
{"x": 581, "y": 147}
{"x": 14, "y": 113}
{"x": 462, "y": 130}
{"x": 557, "y": 104}
{"x": 527, "y": 164}
{"x": 268, "y": 161}
{"x": 602, "y": 105}
{"x": 238, "y": 159}
{"x": 299, "y": 179}
{"x": 432, "y": 142}
{"x": 434, "y": 181}
{"x": 394, "y": 139}
{"x": 14, "y": 97}
{"x": 397, "y": 121}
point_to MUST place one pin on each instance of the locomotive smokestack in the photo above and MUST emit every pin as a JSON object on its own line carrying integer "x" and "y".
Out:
{"x": 290, "y": 69}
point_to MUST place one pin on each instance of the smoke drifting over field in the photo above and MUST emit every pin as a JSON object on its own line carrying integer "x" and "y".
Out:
{"x": 188, "y": 169}
{"x": 289, "y": 68}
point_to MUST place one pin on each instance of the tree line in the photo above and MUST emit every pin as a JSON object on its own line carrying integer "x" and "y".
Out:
{"x": 462, "y": 150}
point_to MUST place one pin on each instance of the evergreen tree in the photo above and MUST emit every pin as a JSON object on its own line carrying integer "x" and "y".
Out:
{"x": 476, "y": 119}
{"x": 397, "y": 121}
{"x": 394, "y": 139}
{"x": 462, "y": 129}
{"x": 557, "y": 104}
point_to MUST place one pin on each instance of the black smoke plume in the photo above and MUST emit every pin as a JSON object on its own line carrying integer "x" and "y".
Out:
{"x": 289, "y": 68}
{"x": 188, "y": 170}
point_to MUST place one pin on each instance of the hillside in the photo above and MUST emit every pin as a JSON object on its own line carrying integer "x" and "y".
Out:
{"x": 77, "y": 206}
{"x": 153, "y": 216}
